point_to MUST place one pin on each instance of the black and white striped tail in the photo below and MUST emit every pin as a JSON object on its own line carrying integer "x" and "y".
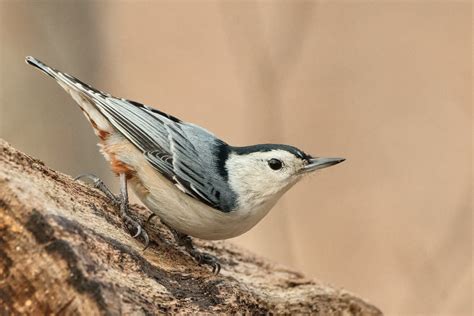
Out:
{"x": 88, "y": 98}
{"x": 41, "y": 66}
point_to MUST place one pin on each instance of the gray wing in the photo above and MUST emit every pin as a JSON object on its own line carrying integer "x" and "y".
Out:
{"x": 183, "y": 152}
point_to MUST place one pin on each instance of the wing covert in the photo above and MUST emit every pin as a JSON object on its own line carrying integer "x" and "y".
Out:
{"x": 166, "y": 144}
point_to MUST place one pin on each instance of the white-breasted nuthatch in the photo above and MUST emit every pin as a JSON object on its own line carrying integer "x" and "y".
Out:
{"x": 197, "y": 184}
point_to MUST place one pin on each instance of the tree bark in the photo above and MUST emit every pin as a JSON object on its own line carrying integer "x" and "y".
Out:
{"x": 63, "y": 250}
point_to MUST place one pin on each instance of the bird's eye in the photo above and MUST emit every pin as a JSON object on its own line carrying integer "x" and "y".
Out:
{"x": 275, "y": 164}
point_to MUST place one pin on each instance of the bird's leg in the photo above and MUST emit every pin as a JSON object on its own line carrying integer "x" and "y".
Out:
{"x": 201, "y": 257}
{"x": 127, "y": 220}
{"x": 120, "y": 202}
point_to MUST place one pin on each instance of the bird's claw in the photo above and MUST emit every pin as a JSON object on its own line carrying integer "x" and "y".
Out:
{"x": 152, "y": 215}
{"x": 131, "y": 224}
{"x": 118, "y": 201}
{"x": 207, "y": 259}
{"x": 200, "y": 257}
{"x": 100, "y": 185}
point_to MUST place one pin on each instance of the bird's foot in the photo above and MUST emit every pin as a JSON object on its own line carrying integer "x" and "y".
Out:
{"x": 207, "y": 259}
{"x": 200, "y": 257}
{"x": 121, "y": 203}
{"x": 100, "y": 185}
{"x": 134, "y": 226}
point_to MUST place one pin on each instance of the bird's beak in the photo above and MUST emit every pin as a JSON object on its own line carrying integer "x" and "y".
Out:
{"x": 320, "y": 163}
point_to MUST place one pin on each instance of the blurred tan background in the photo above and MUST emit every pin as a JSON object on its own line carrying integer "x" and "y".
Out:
{"x": 385, "y": 84}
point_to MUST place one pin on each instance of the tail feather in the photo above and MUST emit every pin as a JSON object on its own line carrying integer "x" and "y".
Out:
{"x": 64, "y": 78}
{"x": 85, "y": 95}
{"x": 41, "y": 66}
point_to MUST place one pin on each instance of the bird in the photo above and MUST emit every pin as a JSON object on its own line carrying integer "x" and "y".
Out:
{"x": 195, "y": 183}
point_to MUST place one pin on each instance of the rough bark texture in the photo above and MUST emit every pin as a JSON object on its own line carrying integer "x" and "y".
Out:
{"x": 63, "y": 250}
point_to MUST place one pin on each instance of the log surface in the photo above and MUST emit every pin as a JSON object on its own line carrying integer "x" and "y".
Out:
{"x": 63, "y": 250}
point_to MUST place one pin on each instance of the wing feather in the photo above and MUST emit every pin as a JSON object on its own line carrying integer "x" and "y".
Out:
{"x": 182, "y": 152}
{"x": 165, "y": 145}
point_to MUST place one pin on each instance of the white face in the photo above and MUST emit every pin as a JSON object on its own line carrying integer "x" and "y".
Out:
{"x": 263, "y": 176}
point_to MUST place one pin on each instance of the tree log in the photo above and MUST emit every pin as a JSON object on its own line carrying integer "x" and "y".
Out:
{"x": 63, "y": 250}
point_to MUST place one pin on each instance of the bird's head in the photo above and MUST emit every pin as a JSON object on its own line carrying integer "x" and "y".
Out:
{"x": 262, "y": 173}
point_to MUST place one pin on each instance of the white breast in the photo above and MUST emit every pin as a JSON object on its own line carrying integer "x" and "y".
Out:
{"x": 190, "y": 216}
